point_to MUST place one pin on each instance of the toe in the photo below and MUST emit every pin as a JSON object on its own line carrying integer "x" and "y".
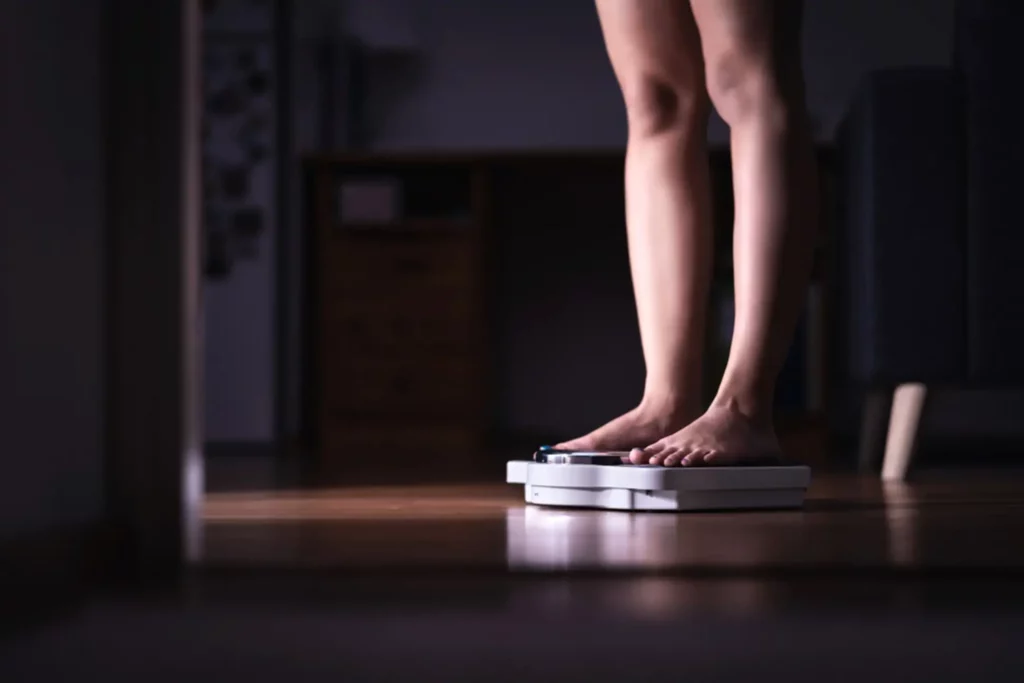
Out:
{"x": 684, "y": 453}
{"x": 694, "y": 458}
{"x": 673, "y": 458}
{"x": 648, "y": 455}
{"x": 656, "y": 447}
{"x": 656, "y": 453}
{"x": 574, "y": 445}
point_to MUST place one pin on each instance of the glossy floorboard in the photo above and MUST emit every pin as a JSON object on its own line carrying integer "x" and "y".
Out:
{"x": 946, "y": 522}
{"x": 465, "y": 583}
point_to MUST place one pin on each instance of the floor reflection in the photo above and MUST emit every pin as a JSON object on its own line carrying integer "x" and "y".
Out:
{"x": 651, "y": 597}
{"x": 560, "y": 539}
{"x": 901, "y": 518}
{"x": 551, "y": 538}
{"x": 849, "y": 524}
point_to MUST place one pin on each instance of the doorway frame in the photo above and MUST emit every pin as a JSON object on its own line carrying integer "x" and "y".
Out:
{"x": 154, "y": 459}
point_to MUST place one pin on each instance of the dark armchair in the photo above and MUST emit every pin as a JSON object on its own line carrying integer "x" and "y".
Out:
{"x": 930, "y": 245}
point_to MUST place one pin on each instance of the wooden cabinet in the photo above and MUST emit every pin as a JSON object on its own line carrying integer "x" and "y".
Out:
{"x": 397, "y": 313}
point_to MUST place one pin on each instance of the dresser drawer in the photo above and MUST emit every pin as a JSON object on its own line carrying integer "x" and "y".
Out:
{"x": 365, "y": 302}
{"x": 430, "y": 386}
{"x": 399, "y": 334}
{"x": 396, "y": 266}
{"x": 397, "y": 439}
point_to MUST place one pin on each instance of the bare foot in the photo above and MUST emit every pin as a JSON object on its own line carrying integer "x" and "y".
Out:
{"x": 721, "y": 436}
{"x": 635, "y": 429}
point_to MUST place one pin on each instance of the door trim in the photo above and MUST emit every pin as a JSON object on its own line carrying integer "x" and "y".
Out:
{"x": 153, "y": 298}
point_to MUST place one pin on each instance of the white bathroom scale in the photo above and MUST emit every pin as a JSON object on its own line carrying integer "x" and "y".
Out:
{"x": 604, "y": 480}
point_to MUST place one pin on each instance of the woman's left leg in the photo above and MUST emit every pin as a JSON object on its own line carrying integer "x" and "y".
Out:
{"x": 753, "y": 71}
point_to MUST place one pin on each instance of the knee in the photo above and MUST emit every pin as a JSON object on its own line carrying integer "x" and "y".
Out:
{"x": 655, "y": 106}
{"x": 744, "y": 88}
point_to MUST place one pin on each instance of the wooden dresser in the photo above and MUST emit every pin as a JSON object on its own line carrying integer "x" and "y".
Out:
{"x": 397, "y": 309}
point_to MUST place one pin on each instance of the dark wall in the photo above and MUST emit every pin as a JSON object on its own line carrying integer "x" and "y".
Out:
{"x": 534, "y": 73}
{"x": 51, "y": 216}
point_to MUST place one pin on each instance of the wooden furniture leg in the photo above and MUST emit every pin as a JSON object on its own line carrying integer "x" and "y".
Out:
{"x": 904, "y": 424}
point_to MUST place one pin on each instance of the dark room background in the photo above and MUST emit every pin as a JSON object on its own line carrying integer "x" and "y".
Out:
{"x": 480, "y": 76}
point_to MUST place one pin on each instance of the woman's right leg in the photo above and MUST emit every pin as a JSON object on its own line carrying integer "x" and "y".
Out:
{"x": 655, "y": 52}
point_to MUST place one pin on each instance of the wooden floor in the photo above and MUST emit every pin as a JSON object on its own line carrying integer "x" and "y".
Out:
{"x": 946, "y": 522}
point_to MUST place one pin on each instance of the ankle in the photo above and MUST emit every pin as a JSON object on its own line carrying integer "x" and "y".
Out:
{"x": 754, "y": 407}
{"x": 668, "y": 410}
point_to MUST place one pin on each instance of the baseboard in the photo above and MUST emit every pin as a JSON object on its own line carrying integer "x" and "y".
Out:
{"x": 51, "y": 572}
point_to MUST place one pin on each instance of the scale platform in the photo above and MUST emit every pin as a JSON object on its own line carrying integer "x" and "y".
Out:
{"x": 603, "y": 480}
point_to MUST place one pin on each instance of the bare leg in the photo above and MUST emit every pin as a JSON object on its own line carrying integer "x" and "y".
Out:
{"x": 655, "y": 53}
{"x": 752, "y": 55}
